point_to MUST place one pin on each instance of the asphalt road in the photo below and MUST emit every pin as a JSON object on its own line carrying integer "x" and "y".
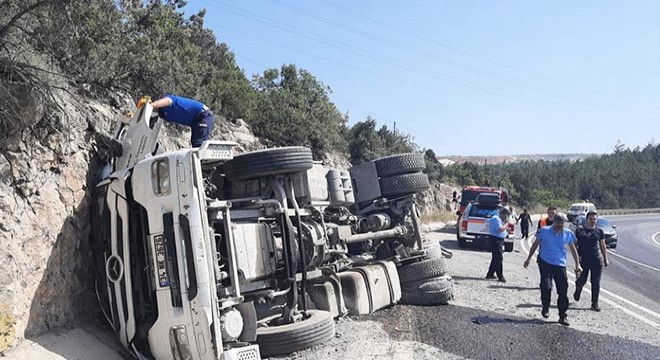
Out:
{"x": 476, "y": 334}
{"x": 635, "y": 264}
{"x": 632, "y": 280}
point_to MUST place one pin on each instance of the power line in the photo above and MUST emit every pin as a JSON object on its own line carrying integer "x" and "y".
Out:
{"x": 363, "y": 109}
{"x": 374, "y": 56}
{"x": 341, "y": 46}
{"x": 469, "y": 54}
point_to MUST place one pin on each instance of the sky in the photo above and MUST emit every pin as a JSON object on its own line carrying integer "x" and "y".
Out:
{"x": 467, "y": 77}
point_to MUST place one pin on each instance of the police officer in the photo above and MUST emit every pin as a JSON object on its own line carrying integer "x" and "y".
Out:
{"x": 497, "y": 226}
{"x": 591, "y": 244}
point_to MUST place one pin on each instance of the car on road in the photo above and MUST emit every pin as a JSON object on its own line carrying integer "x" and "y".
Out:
{"x": 473, "y": 224}
{"x": 470, "y": 194}
{"x": 579, "y": 209}
{"x": 611, "y": 236}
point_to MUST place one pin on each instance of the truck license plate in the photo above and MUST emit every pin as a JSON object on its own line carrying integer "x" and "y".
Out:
{"x": 161, "y": 256}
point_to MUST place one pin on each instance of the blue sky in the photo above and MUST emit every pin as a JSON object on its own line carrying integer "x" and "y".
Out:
{"x": 467, "y": 77}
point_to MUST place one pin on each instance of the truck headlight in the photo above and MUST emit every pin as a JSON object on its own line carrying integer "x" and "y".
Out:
{"x": 160, "y": 177}
{"x": 179, "y": 343}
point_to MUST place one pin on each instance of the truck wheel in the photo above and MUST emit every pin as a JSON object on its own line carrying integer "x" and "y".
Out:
{"x": 316, "y": 329}
{"x": 269, "y": 162}
{"x": 400, "y": 164}
{"x": 441, "y": 297}
{"x": 433, "y": 250}
{"x": 421, "y": 270}
{"x": 404, "y": 184}
{"x": 428, "y": 292}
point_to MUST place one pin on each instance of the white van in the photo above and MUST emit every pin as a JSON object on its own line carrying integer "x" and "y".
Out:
{"x": 578, "y": 209}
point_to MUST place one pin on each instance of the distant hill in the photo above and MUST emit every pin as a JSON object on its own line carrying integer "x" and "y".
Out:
{"x": 498, "y": 159}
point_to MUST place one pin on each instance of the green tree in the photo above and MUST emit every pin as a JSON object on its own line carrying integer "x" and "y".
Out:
{"x": 294, "y": 108}
{"x": 366, "y": 142}
{"x": 434, "y": 169}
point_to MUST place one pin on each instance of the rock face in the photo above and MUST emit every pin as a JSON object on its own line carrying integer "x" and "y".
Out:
{"x": 49, "y": 164}
{"x": 436, "y": 199}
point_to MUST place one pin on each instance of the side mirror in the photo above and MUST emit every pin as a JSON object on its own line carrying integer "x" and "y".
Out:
{"x": 613, "y": 226}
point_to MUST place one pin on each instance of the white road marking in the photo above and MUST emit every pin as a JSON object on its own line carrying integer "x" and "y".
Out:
{"x": 655, "y": 239}
{"x": 620, "y": 307}
{"x": 613, "y": 303}
{"x": 633, "y": 261}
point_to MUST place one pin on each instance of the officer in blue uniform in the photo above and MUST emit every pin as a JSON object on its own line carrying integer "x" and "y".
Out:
{"x": 497, "y": 228}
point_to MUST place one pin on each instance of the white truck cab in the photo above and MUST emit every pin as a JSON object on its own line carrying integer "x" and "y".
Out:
{"x": 155, "y": 253}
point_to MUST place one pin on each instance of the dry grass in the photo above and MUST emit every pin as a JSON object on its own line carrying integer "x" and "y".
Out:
{"x": 440, "y": 216}
{"x": 6, "y": 327}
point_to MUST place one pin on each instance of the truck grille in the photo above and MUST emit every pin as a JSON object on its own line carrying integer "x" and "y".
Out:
{"x": 242, "y": 353}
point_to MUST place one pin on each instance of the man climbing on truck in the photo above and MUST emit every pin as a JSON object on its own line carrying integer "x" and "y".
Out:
{"x": 185, "y": 111}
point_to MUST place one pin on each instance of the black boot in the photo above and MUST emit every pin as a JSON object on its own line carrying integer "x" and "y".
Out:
{"x": 576, "y": 294}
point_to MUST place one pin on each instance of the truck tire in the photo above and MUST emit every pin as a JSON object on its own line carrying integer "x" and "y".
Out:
{"x": 269, "y": 162}
{"x": 421, "y": 270}
{"x": 441, "y": 297}
{"x": 434, "y": 291}
{"x": 400, "y": 164}
{"x": 404, "y": 184}
{"x": 433, "y": 250}
{"x": 317, "y": 329}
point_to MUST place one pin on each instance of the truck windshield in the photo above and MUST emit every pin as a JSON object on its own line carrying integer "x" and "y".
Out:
{"x": 469, "y": 196}
{"x": 483, "y": 211}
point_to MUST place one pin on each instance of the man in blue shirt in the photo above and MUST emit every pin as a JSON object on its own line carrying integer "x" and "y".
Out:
{"x": 553, "y": 241}
{"x": 188, "y": 112}
{"x": 497, "y": 230}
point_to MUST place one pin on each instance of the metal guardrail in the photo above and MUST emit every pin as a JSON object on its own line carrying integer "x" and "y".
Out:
{"x": 628, "y": 211}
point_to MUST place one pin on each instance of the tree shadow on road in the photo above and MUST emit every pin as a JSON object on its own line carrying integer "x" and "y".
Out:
{"x": 453, "y": 244}
{"x": 486, "y": 335}
{"x": 538, "y": 306}
{"x": 482, "y": 320}
{"x": 509, "y": 287}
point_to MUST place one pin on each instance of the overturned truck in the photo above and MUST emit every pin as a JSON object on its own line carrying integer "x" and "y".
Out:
{"x": 203, "y": 254}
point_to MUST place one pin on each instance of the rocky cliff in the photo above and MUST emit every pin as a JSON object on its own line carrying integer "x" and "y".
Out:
{"x": 49, "y": 162}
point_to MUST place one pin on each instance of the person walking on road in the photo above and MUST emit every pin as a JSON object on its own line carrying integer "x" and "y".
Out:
{"x": 525, "y": 220}
{"x": 497, "y": 226}
{"x": 591, "y": 244}
{"x": 552, "y": 242}
{"x": 188, "y": 112}
{"x": 546, "y": 220}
